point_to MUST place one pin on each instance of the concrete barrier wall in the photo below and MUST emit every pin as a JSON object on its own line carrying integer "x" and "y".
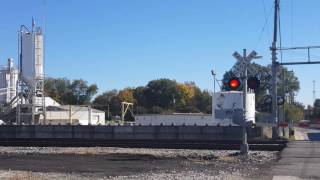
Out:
{"x": 128, "y": 132}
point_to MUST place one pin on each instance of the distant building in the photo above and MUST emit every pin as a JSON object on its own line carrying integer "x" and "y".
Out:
{"x": 73, "y": 115}
{"x": 8, "y": 82}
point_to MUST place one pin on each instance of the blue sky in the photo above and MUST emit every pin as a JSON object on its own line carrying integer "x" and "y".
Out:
{"x": 126, "y": 43}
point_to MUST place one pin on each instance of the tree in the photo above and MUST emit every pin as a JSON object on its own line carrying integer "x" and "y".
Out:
{"x": 108, "y": 102}
{"x": 126, "y": 95}
{"x": 185, "y": 92}
{"x": 80, "y": 92}
{"x": 203, "y": 101}
{"x": 288, "y": 84}
{"x": 66, "y": 92}
{"x": 56, "y": 88}
{"x": 158, "y": 96}
{"x": 161, "y": 93}
{"x": 294, "y": 112}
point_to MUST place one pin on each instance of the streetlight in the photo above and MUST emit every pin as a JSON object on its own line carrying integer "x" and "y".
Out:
{"x": 214, "y": 80}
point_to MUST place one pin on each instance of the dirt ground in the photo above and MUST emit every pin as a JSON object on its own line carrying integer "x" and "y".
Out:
{"x": 121, "y": 163}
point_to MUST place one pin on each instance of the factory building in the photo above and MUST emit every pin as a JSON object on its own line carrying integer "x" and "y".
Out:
{"x": 8, "y": 82}
{"x": 73, "y": 115}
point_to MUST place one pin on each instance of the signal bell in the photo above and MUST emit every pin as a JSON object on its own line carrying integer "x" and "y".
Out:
{"x": 234, "y": 83}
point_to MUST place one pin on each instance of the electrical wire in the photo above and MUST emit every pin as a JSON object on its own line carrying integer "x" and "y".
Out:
{"x": 265, "y": 26}
{"x": 291, "y": 22}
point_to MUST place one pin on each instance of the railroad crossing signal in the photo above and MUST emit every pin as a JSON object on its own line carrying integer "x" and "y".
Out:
{"x": 234, "y": 83}
{"x": 237, "y": 56}
{"x": 251, "y": 56}
{"x": 253, "y": 83}
{"x": 245, "y": 61}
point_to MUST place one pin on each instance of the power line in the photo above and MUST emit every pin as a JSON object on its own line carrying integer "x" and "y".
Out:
{"x": 291, "y": 22}
{"x": 266, "y": 19}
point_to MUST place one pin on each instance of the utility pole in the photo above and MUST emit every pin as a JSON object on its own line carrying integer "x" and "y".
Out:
{"x": 314, "y": 90}
{"x": 274, "y": 71}
{"x": 244, "y": 146}
{"x": 275, "y": 65}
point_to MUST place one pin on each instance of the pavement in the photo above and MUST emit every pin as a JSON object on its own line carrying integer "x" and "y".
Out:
{"x": 301, "y": 158}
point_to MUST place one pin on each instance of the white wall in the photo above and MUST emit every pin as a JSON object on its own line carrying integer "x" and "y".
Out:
{"x": 77, "y": 116}
{"x": 176, "y": 119}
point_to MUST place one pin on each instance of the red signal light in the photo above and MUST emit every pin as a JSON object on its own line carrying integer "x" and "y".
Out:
{"x": 234, "y": 83}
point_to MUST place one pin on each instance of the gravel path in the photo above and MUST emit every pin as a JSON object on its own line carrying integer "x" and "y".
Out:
{"x": 122, "y": 163}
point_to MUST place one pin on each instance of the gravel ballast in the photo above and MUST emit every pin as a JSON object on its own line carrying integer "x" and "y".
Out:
{"x": 134, "y": 163}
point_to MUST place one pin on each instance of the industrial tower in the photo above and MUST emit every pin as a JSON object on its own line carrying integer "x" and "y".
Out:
{"x": 30, "y": 93}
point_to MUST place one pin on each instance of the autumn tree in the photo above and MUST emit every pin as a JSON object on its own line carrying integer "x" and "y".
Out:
{"x": 159, "y": 96}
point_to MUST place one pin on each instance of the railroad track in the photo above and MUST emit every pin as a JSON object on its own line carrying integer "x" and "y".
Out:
{"x": 266, "y": 145}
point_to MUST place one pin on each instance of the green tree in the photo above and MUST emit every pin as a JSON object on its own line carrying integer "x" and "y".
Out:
{"x": 161, "y": 93}
{"x": 203, "y": 101}
{"x": 56, "y": 88}
{"x": 66, "y": 92}
{"x": 294, "y": 112}
{"x": 108, "y": 101}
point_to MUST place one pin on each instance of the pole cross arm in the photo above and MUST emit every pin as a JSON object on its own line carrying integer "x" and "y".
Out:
{"x": 237, "y": 56}
{"x": 299, "y": 63}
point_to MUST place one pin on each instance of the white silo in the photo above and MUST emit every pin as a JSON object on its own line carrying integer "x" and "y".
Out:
{"x": 31, "y": 75}
{"x": 31, "y": 59}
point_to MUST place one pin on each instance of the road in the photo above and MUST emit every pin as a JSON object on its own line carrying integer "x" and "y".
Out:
{"x": 301, "y": 158}
{"x": 307, "y": 134}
